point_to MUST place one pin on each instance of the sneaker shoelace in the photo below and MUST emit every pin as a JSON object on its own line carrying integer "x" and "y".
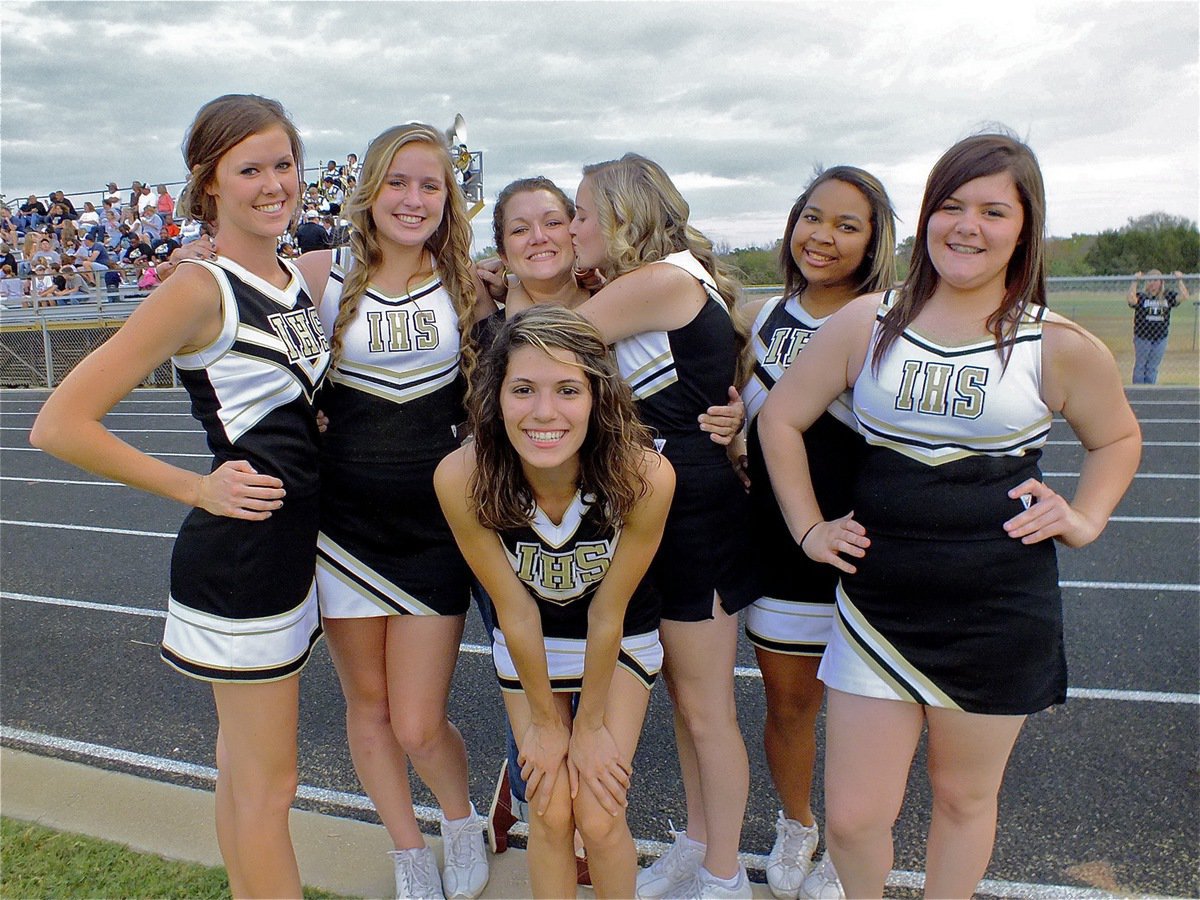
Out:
{"x": 415, "y": 879}
{"x": 674, "y": 862}
{"x": 466, "y": 839}
{"x": 793, "y": 841}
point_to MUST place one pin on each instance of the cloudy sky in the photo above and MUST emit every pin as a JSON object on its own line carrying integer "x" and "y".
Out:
{"x": 738, "y": 101}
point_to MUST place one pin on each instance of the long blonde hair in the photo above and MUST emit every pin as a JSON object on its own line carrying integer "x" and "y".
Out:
{"x": 644, "y": 219}
{"x": 450, "y": 244}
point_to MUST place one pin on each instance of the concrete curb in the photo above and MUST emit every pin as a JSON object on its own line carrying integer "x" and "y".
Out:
{"x": 345, "y": 856}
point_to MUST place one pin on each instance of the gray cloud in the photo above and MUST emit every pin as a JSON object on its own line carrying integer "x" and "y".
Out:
{"x": 738, "y": 100}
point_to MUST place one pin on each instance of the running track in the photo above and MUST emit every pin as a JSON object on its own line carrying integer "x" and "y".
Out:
{"x": 1101, "y": 794}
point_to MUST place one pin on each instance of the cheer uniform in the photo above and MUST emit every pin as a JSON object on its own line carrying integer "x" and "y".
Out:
{"x": 243, "y": 605}
{"x": 394, "y": 402}
{"x": 675, "y": 376}
{"x": 794, "y": 615}
{"x": 562, "y": 567}
{"x": 946, "y": 609}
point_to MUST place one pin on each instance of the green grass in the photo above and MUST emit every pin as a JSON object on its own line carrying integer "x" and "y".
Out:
{"x": 39, "y": 862}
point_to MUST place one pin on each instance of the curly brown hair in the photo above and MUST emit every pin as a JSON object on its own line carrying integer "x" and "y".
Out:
{"x": 611, "y": 460}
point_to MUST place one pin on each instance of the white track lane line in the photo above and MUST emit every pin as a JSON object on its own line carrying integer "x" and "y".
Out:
{"x": 431, "y": 816}
{"x": 147, "y": 452}
{"x": 196, "y": 431}
{"x": 479, "y": 649}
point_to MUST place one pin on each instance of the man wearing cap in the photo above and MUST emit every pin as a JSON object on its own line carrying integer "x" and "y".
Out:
{"x": 112, "y": 197}
{"x": 310, "y": 235}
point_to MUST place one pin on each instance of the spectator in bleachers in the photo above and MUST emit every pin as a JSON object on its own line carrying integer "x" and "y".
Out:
{"x": 73, "y": 251}
{"x": 88, "y": 219}
{"x": 95, "y": 252}
{"x": 12, "y": 288}
{"x": 189, "y": 230}
{"x": 162, "y": 249}
{"x": 150, "y": 224}
{"x": 147, "y": 275}
{"x": 41, "y": 281}
{"x": 56, "y": 217}
{"x": 135, "y": 193}
{"x": 137, "y": 249}
{"x": 70, "y": 288}
{"x": 31, "y": 213}
{"x": 146, "y": 198}
{"x": 117, "y": 239}
{"x": 68, "y": 239}
{"x": 65, "y": 202}
{"x": 110, "y": 221}
{"x": 45, "y": 252}
{"x": 7, "y": 257}
{"x": 165, "y": 204}
{"x": 9, "y": 232}
{"x": 113, "y": 195}
{"x": 310, "y": 234}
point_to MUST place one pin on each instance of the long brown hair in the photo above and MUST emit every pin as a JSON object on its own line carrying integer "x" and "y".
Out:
{"x": 611, "y": 458}
{"x": 1025, "y": 278}
{"x": 220, "y": 125}
{"x": 450, "y": 244}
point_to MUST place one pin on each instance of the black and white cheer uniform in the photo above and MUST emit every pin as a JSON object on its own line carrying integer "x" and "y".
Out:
{"x": 394, "y": 401}
{"x": 675, "y": 377}
{"x": 794, "y": 615}
{"x": 945, "y": 609}
{"x": 243, "y": 603}
{"x": 562, "y": 567}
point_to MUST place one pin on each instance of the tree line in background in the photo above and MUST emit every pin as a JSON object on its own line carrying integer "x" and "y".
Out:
{"x": 1154, "y": 241}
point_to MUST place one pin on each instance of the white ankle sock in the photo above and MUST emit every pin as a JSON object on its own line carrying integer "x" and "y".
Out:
{"x": 724, "y": 882}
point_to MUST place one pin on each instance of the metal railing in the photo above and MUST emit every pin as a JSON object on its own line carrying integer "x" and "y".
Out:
{"x": 38, "y": 347}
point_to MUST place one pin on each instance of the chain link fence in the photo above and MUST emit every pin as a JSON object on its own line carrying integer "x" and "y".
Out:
{"x": 39, "y": 347}
{"x": 1099, "y": 303}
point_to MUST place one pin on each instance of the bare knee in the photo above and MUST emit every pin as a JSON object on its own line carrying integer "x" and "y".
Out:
{"x": 791, "y": 709}
{"x": 963, "y": 800}
{"x": 262, "y": 794}
{"x": 703, "y": 717}
{"x": 850, "y": 819}
{"x": 596, "y": 826}
{"x": 419, "y": 734}
{"x": 366, "y": 697}
{"x": 557, "y": 824}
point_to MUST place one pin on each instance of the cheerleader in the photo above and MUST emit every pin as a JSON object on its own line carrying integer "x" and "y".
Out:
{"x": 559, "y": 505}
{"x": 250, "y": 351}
{"x": 949, "y": 616}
